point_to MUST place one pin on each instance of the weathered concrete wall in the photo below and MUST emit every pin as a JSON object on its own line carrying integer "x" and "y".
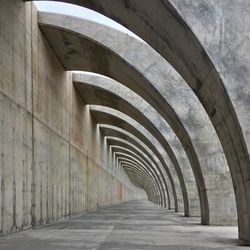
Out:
{"x": 51, "y": 165}
{"x": 15, "y": 116}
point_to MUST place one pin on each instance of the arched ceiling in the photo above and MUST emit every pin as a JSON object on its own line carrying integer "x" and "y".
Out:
{"x": 153, "y": 166}
{"x": 121, "y": 70}
{"x": 180, "y": 47}
{"x": 133, "y": 76}
{"x": 111, "y": 131}
{"x": 140, "y": 156}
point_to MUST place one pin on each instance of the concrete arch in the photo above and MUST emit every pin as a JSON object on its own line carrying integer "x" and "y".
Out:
{"x": 115, "y": 132}
{"x": 144, "y": 178}
{"x": 209, "y": 153}
{"x": 136, "y": 151}
{"x": 139, "y": 167}
{"x": 140, "y": 183}
{"x": 126, "y": 156}
{"x": 197, "y": 69}
{"x": 137, "y": 79}
{"x": 117, "y": 96}
{"x": 143, "y": 183}
{"x": 212, "y": 183}
{"x": 99, "y": 96}
{"x": 113, "y": 117}
{"x": 122, "y": 154}
{"x": 133, "y": 150}
{"x": 158, "y": 178}
{"x": 130, "y": 152}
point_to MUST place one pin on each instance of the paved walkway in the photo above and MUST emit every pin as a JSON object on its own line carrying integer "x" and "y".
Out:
{"x": 129, "y": 226}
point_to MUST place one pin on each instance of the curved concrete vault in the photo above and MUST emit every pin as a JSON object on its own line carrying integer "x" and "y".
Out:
{"x": 115, "y": 133}
{"x": 99, "y": 96}
{"x": 161, "y": 119}
{"x": 135, "y": 100}
{"x": 150, "y": 165}
{"x": 123, "y": 73}
{"x": 200, "y": 157}
{"x": 140, "y": 179}
{"x": 124, "y": 156}
{"x": 113, "y": 117}
{"x": 181, "y": 48}
{"x": 155, "y": 168}
{"x": 132, "y": 170}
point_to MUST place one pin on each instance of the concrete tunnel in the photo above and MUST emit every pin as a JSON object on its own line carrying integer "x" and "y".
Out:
{"x": 112, "y": 141}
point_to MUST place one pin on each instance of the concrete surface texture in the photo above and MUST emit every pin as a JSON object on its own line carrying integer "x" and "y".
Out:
{"x": 145, "y": 118}
{"x": 101, "y": 96}
{"x": 226, "y": 214}
{"x": 132, "y": 225}
{"x": 51, "y": 163}
{"x": 140, "y": 155}
{"x": 151, "y": 77}
{"x": 177, "y": 43}
{"x": 121, "y": 158}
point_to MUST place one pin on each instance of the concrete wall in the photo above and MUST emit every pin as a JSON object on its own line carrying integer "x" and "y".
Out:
{"x": 54, "y": 162}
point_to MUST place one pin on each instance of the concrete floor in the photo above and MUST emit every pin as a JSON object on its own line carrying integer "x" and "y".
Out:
{"x": 132, "y": 225}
